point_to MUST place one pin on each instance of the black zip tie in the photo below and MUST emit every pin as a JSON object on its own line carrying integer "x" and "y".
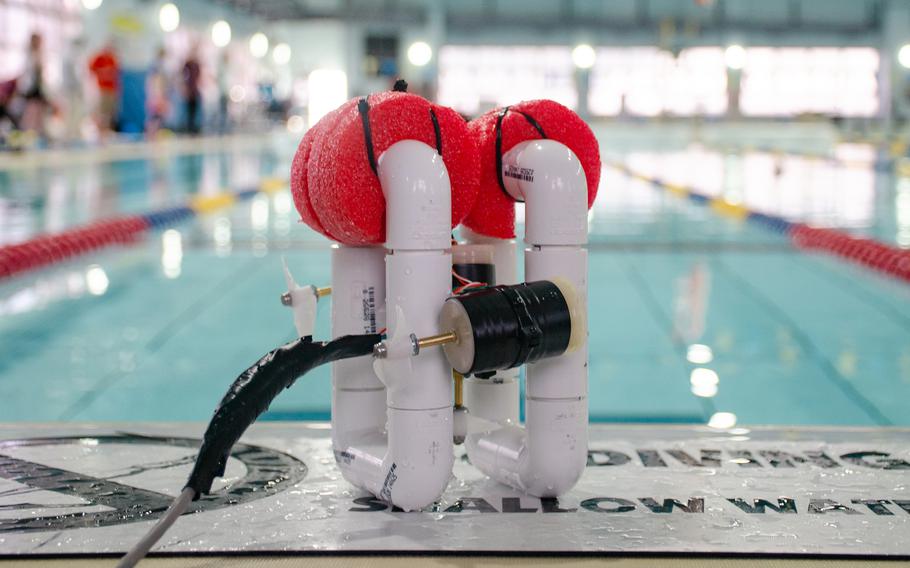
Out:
{"x": 436, "y": 131}
{"x": 536, "y": 125}
{"x": 533, "y": 123}
{"x": 502, "y": 185}
{"x": 363, "y": 107}
{"x": 401, "y": 86}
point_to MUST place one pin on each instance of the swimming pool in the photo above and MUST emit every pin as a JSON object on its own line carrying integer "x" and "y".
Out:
{"x": 695, "y": 318}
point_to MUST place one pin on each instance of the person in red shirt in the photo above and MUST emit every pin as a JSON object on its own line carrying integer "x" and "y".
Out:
{"x": 106, "y": 69}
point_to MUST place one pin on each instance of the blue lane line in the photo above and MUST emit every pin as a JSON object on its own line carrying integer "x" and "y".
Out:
{"x": 167, "y": 217}
{"x": 772, "y": 222}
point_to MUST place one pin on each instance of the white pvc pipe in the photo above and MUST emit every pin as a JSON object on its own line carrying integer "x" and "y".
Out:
{"x": 358, "y": 397}
{"x": 546, "y": 457}
{"x": 410, "y": 464}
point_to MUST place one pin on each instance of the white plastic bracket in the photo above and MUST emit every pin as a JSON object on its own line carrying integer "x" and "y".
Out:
{"x": 302, "y": 300}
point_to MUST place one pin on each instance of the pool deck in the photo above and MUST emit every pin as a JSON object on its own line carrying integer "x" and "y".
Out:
{"x": 648, "y": 491}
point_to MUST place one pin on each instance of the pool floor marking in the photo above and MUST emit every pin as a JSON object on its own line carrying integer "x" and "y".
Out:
{"x": 219, "y": 291}
{"x": 653, "y": 306}
{"x": 830, "y": 372}
{"x": 647, "y": 489}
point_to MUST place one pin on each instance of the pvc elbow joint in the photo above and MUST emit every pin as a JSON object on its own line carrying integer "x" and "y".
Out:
{"x": 546, "y": 457}
{"x": 549, "y": 178}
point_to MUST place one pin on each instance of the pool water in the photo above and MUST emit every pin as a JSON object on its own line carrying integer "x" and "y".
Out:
{"x": 694, "y": 317}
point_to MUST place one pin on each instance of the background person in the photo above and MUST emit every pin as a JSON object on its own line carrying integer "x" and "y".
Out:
{"x": 222, "y": 78}
{"x": 106, "y": 69}
{"x": 74, "y": 80}
{"x": 31, "y": 85}
{"x": 192, "y": 95}
{"x": 157, "y": 89}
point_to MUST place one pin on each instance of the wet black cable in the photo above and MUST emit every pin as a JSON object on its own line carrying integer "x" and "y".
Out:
{"x": 253, "y": 391}
{"x": 247, "y": 398}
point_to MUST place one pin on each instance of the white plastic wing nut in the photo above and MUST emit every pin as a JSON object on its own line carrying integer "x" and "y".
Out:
{"x": 302, "y": 300}
{"x": 401, "y": 344}
{"x": 392, "y": 356}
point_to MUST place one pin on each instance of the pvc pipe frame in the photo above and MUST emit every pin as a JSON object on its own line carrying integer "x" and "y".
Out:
{"x": 546, "y": 457}
{"x": 392, "y": 434}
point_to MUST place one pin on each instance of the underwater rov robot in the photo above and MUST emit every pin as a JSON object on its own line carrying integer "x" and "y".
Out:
{"x": 387, "y": 177}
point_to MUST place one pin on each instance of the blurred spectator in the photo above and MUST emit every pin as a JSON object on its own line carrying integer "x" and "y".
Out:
{"x": 7, "y": 98}
{"x": 157, "y": 88}
{"x": 31, "y": 85}
{"x": 106, "y": 69}
{"x": 223, "y": 93}
{"x": 192, "y": 77}
{"x": 73, "y": 81}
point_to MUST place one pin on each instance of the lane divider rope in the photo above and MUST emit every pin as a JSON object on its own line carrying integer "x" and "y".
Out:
{"x": 44, "y": 250}
{"x": 878, "y": 164}
{"x": 864, "y": 251}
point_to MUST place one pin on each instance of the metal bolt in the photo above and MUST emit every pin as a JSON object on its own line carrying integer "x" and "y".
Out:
{"x": 380, "y": 350}
{"x": 434, "y": 340}
{"x": 286, "y": 299}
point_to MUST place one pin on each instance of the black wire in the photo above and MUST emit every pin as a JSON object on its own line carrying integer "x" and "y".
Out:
{"x": 474, "y": 272}
{"x": 253, "y": 391}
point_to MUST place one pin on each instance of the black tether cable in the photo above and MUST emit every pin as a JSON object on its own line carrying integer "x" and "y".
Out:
{"x": 502, "y": 114}
{"x": 253, "y": 391}
{"x": 248, "y": 397}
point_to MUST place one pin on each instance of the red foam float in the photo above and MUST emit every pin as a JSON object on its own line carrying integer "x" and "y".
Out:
{"x": 299, "y": 170}
{"x": 494, "y": 214}
{"x": 341, "y": 196}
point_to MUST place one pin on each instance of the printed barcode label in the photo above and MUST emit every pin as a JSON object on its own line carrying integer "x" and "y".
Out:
{"x": 369, "y": 309}
{"x": 524, "y": 174}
